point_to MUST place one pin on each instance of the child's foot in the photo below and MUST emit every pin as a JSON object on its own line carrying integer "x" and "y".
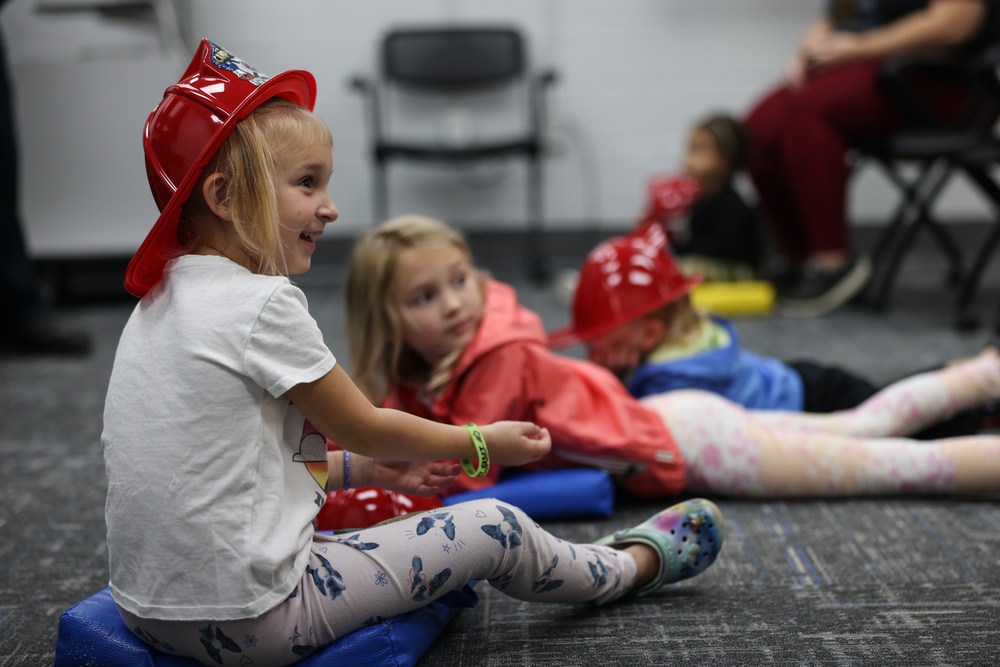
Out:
{"x": 687, "y": 537}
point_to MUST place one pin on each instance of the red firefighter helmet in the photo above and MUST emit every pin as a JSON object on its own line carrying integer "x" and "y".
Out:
{"x": 670, "y": 195}
{"x": 623, "y": 278}
{"x": 364, "y": 507}
{"x": 186, "y": 129}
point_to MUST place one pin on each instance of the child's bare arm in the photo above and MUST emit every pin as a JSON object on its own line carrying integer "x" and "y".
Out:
{"x": 421, "y": 478}
{"x": 338, "y": 409}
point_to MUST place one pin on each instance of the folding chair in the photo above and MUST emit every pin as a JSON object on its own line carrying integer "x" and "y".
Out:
{"x": 966, "y": 145}
{"x": 450, "y": 64}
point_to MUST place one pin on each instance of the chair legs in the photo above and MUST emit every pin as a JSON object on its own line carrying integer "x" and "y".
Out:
{"x": 912, "y": 215}
{"x": 380, "y": 192}
{"x": 538, "y": 269}
{"x": 965, "y": 318}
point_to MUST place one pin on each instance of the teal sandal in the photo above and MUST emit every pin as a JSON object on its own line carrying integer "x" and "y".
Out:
{"x": 687, "y": 537}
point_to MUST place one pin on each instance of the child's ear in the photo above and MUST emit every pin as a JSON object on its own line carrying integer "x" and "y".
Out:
{"x": 651, "y": 333}
{"x": 213, "y": 190}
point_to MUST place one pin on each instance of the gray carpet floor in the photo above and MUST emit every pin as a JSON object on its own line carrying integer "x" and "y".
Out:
{"x": 912, "y": 581}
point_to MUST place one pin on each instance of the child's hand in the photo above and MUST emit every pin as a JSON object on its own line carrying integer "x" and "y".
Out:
{"x": 418, "y": 478}
{"x": 516, "y": 443}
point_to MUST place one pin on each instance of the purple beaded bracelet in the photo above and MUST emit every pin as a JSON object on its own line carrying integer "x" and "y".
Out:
{"x": 347, "y": 469}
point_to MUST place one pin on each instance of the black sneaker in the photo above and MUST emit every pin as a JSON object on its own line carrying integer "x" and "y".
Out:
{"x": 783, "y": 275}
{"x": 818, "y": 293}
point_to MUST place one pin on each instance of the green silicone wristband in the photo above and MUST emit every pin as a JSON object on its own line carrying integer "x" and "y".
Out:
{"x": 484, "y": 455}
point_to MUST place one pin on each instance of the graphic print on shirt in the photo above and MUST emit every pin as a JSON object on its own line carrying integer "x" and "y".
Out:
{"x": 312, "y": 452}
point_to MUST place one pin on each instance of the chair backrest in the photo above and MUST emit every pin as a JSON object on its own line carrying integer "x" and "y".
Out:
{"x": 976, "y": 73}
{"x": 453, "y": 58}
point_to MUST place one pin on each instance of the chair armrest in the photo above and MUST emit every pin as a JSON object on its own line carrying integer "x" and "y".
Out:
{"x": 360, "y": 84}
{"x": 976, "y": 71}
{"x": 369, "y": 90}
{"x": 968, "y": 65}
{"x": 547, "y": 77}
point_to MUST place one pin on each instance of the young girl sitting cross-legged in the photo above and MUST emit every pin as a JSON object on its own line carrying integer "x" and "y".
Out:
{"x": 214, "y": 474}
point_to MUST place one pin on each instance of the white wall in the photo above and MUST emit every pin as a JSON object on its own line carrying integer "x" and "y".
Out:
{"x": 634, "y": 74}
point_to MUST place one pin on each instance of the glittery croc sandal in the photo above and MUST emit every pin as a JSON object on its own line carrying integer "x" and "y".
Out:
{"x": 687, "y": 537}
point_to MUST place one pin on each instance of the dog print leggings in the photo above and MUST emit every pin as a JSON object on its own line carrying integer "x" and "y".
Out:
{"x": 730, "y": 450}
{"x": 356, "y": 579}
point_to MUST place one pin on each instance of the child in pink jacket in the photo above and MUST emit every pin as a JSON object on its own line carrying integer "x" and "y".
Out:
{"x": 430, "y": 335}
{"x": 488, "y": 355}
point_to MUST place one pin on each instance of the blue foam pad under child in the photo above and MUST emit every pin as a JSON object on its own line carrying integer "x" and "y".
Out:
{"x": 565, "y": 493}
{"x": 92, "y": 633}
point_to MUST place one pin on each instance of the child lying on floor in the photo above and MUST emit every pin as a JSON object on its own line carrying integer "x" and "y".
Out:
{"x": 646, "y": 329}
{"x": 430, "y": 335}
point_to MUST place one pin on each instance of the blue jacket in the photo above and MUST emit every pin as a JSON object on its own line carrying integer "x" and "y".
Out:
{"x": 754, "y": 381}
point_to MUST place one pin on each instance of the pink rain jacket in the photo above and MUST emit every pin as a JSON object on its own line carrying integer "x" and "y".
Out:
{"x": 509, "y": 373}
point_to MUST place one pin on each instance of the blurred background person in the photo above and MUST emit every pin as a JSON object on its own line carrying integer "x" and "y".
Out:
{"x": 30, "y": 327}
{"x": 801, "y": 131}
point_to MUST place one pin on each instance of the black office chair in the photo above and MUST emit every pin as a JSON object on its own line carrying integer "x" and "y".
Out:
{"x": 449, "y": 63}
{"x": 967, "y": 144}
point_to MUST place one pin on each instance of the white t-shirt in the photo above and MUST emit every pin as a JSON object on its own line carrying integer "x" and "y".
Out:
{"x": 213, "y": 483}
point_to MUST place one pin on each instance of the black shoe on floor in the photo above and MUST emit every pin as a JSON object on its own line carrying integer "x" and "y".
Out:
{"x": 783, "y": 275}
{"x": 818, "y": 293}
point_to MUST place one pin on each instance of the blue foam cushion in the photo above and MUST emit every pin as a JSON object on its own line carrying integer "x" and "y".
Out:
{"x": 564, "y": 493}
{"x": 92, "y": 633}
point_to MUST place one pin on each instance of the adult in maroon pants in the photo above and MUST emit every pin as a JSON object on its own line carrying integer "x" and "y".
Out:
{"x": 800, "y": 132}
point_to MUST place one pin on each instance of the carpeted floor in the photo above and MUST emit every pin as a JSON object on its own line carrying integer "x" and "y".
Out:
{"x": 854, "y": 582}
{"x": 828, "y": 582}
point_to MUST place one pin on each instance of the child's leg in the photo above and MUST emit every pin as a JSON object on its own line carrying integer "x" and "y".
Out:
{"x": 729, "y": 450}
{"x": 357, "y": 579}
{"x": 909, "y": 405}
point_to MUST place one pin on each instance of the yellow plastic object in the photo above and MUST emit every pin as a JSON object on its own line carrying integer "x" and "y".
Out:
{"x": 744, "y": 297}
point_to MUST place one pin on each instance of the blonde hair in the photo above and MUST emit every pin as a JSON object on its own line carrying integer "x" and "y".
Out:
{"x": 248, "y": 160}
{"x": 682, "y": 322}
{"x": 380, "y": 359}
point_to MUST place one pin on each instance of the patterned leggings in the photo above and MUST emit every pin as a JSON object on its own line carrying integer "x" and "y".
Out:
{"x": 738, "y": 452}
{"x": 358, "y": 579}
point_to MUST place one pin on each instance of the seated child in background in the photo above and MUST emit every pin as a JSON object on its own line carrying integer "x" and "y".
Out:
{"x": 431, "y": 336}
{"x": 712, "y": 230}
{"x": 646, "y": 330}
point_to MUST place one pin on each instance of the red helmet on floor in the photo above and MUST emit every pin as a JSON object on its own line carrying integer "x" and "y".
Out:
{"x": 186, "y": 129}
{"x": 364, "y": 507}
{"x": 671, "y": 195}
{"x": 623, "y": 278}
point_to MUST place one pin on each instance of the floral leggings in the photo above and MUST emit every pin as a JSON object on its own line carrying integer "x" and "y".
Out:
{"x": 361, "y": 578}
{"x": 730, "y": 450}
